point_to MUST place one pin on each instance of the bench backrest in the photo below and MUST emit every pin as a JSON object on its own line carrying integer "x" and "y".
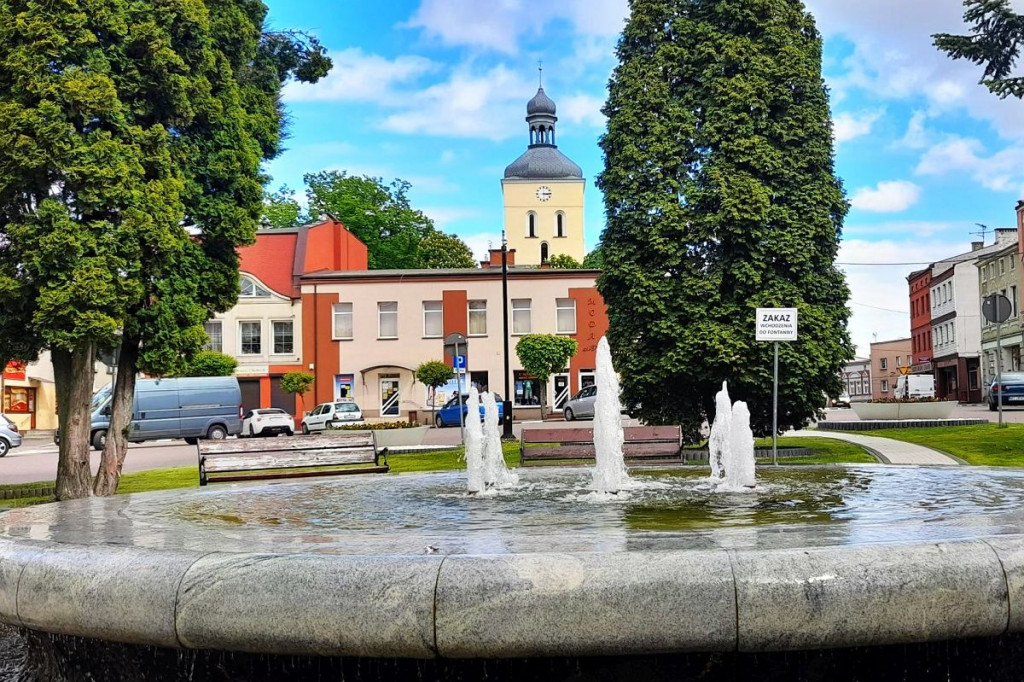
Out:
{"x": 631, "y": 434}
{"x": 577, "y": 435}
{"x": 297, "y": 444}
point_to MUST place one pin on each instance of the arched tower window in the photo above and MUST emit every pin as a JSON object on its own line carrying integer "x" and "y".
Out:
{"x": 543, "y": 252}
{"x": 531, "y": 224}
{"x": 559, "y": 224}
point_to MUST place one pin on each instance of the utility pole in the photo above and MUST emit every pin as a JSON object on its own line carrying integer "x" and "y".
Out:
{"x": 506, "y": 408}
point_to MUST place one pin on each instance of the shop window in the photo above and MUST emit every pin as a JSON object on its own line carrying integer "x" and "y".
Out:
{"x": 527, "y": 389}
{"x": 19, "y": 400}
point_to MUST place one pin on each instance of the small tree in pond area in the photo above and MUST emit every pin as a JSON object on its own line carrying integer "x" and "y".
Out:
{"x": 210, "y": 363}
{"x": 542, "y": 355}
{"x": 297, "y": 383}
{"x": 434, "y": 373}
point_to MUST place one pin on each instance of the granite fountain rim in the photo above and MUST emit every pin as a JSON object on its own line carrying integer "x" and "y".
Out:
{"x": 518, "y": 605}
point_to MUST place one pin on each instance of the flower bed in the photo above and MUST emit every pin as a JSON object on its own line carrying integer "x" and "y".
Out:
{"x": 932, "y": 409}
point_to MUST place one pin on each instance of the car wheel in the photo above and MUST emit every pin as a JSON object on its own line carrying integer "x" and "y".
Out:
{"x": 99, "y": 439}
{"x": 330, "y": 425}
{"x": 305, "y": 429}
{"x": 991, "y": 407}
{"x": 289, "y": 433}
{"x": 217, "y": 432}
{"x": 252, "y": 432}
{"x": 438, "y": 422}
{"x": 569, "y": 416}
{"x": 191, "y": 440}
{"x": 5, "y": 447}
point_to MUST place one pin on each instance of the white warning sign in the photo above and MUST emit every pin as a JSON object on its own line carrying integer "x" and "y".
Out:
{"x": 776, "y": 324}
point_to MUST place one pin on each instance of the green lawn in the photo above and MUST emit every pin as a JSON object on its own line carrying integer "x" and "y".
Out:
{"x": 826, "y": 451}
{"x": 985, "y": 445}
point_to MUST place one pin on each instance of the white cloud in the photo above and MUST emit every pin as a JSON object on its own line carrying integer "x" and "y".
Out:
{"x": 917, "y": 136}
{"x": 486, "y": 105}
{"x": 582, "y": 109}
{"x": 1000, "y": 172}
{"x": 498, "y": 25}
{"x": 481, "y": 242}
{"x": 919, "y": 228}
{"x": 849, "y": 126}
{"x": 887, "y": 197}
{"x": 448, "y": 156}
{"x": 361, "y": 77}
{"x": 444, "y": 216}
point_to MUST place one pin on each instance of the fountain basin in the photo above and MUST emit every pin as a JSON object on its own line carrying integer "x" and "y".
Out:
{"x": 430, "y": 572}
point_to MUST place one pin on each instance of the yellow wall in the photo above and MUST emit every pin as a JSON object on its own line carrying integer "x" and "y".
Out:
{"x": 521, "y": 198}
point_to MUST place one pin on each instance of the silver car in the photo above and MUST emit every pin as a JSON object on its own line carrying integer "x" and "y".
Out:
{"x": 9, "y": 436}
{"x": 581, "y": 405}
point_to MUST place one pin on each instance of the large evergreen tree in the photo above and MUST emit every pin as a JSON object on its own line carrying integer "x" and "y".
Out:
{"x": 997, "y": 32}
{"x": 120, "y": 125}
{"x": 721, "y": 197}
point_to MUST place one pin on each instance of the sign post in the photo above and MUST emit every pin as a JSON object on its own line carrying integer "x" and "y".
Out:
{"x": 776, "y": 324}
{"x": 997, "y": 308}
{"x": 457, "y": 347}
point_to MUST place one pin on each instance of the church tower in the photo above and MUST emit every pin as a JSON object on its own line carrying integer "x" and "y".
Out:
{"x": 543, "y": 192}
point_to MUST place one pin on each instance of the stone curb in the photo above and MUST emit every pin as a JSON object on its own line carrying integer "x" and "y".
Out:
{"x": 879, "y": 424}
{"x": 464, "y": 606}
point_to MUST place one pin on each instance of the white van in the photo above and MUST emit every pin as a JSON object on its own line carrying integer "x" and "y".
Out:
{"x": 915, "y": 386}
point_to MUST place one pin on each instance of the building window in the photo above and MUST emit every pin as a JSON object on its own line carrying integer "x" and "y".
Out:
{"x": 387, "y": 320}
{"x": 566, "y": 315}
{"x": 342, "y": 320}
{"x": 433, "y": 319}
{"x": 284, "y": 338}
{"x": 1002, "y": 266}
{"x": 248, "y": 288}
{"x": 214, "y": 329}
{"x": 531, "y": 224}
{"x": 527, "y": 389}
{"x": 521, "y": 322}
{"x": 899, "y": 361}
{"x": 559, "y": 224}
{"x": 1013, "y": 298}
{"x": 477, "y": 318}
{"x": 544, "y": 252}
{"x": 883, "y": 363}
{"x": 885, "y": 385}
{"x": 250, "y": 338}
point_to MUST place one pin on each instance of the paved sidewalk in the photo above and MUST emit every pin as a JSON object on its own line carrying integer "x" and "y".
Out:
{"x": 890, "y": 450}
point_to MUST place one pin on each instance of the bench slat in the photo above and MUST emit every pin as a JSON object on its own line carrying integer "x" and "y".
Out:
{"x": 575, "y": 435}
{"x": 273, "y": 460}
{"x": 642, "y": 444}
{"x": 299, "y": 474}
{"x": 294, "y": 443}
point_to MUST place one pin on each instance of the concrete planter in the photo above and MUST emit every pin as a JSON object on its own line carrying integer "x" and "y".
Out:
{"x": 872, "y": 411}
{"x": 394, "y": 438}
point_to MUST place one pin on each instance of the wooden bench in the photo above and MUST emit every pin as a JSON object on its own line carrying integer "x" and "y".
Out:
{"x": 641, "y": 445}
{"x": 343, "y": 452}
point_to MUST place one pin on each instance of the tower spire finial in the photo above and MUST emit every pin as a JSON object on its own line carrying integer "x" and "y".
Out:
{"x": 540, "y": 73}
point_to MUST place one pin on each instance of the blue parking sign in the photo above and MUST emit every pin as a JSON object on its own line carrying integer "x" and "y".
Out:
{"x": 459, "y": 362}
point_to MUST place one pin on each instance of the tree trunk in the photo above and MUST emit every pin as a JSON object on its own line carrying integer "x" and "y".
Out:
{"x": 543, "y": 396}
{"x": 73, "y": 374}
{"x": 121, "y": 404}
{"x": 433, "y": 404}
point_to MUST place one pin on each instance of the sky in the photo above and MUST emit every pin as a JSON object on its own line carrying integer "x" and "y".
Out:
{"x": 434, "y": 92}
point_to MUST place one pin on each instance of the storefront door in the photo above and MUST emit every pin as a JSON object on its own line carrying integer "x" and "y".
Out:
{"x": 390, "y": 398}
{"x": 561, "y": 390}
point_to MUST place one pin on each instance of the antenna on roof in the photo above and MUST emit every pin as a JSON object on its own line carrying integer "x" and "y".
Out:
{"x": 982, "y": 232}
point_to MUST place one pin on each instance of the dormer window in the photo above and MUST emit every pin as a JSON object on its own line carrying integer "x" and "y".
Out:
{"x": 248, "y": 288}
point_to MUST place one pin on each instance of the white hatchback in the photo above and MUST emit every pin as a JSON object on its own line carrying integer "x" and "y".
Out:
{"x": 269, "y": 421}
{"x": 326, "y": 415}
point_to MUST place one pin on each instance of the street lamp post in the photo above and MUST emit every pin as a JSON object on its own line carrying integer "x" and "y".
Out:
{"x": 506, "y": 408}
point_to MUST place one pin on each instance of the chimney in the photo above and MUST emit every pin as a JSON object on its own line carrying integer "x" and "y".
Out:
{"x": 975, "y": 246}
{"x": 1020, "y": 215}
{"x": 1006, "y": 235}
{"x": 494, "y": 260}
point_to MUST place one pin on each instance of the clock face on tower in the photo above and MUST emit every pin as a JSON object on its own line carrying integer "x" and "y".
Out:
{"x": 543, "y": 193}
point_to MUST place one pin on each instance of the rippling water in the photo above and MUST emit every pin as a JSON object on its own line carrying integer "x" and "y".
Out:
{"x": 552, "y": 510}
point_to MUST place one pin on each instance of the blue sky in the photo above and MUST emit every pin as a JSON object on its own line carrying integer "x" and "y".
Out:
{"x": 434, "y": 92}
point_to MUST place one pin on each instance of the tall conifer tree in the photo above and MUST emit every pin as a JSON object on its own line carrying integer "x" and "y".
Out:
{"x": 721, "y": 197}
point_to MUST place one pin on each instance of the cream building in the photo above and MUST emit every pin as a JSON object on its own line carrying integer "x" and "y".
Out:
{"x": 543, "y": 193}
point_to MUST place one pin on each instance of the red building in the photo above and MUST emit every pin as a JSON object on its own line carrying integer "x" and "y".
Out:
{"x": 921, "y": 320}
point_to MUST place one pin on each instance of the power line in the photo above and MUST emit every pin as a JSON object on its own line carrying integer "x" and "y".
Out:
{"x": 875, "y": 307}
{"x": 888, "y": 264}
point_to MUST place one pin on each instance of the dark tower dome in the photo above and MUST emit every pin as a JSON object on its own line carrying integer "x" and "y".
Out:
{"x": 540, "y": 104}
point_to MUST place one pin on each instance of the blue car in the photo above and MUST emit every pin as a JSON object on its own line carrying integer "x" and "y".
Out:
{"x": 449, "y": 414}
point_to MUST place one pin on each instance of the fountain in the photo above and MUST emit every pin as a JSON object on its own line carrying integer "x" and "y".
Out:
{"x": 379, "y": 570}
{"x": 610, "y": 474}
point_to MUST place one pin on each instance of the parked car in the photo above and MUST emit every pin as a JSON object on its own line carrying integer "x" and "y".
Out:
{"x": 9, "y": 435}
{"x": 448, "y": 415}
{"x": 1009, "y": 392}
{"x": 581, "y": 405}
{"x": 188, "y": 407}
{"x": 269, "y": 421}
{"x": 326, "y": 415}
{"x": 842, "y": 401}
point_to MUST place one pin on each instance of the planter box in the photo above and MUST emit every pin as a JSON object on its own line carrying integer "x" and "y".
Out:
{"x": 394, "y": 438}
{"x": 871, "y": 411}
